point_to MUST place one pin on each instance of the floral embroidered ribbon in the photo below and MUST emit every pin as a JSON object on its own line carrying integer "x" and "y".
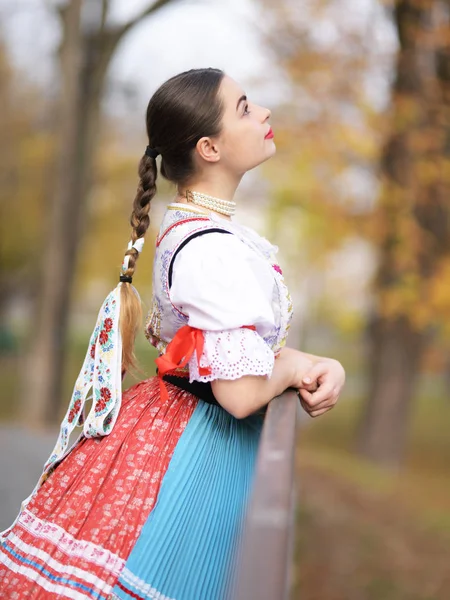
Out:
{"x": 180, "y": 350}
{"x": 101, "y": 372}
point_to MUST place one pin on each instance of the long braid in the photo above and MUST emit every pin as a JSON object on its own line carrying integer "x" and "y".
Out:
{"x": 130, "y": 303}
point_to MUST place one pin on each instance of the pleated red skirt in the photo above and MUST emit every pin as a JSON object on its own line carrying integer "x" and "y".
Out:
{"x": 85, "y": 519}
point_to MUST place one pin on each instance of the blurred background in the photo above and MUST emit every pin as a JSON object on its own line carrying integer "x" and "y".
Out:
{"x": 357, "y": 199}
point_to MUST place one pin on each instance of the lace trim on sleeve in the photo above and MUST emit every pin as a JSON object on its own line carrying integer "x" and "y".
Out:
{"x": 231, "y": 354}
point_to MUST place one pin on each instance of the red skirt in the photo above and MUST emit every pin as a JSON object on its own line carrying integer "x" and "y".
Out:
{"x": 86, "y": 517}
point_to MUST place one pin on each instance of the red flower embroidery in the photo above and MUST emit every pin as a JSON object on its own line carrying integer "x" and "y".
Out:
{"x": 93, "y": 351}
{"x": 103, "y": 336}
{"x": 74, "y": 410}
{"x": 105, "y": 395}
{"x": 108, "y": 324}
{"x": 100, "y": 405}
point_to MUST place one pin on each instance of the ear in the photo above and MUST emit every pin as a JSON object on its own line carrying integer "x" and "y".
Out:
{"x": 208, "y": 149}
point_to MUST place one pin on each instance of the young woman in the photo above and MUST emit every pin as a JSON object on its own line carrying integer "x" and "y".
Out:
{"x": 149, "y": 501}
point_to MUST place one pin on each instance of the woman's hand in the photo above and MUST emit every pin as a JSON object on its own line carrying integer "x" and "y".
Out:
{"x": 321, "y": 385}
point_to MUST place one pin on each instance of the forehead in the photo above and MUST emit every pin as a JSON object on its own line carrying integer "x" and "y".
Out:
{"x": 230, "y": 91}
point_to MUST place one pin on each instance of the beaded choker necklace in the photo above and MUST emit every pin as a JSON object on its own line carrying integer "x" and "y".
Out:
{"x": 224, "y": 207}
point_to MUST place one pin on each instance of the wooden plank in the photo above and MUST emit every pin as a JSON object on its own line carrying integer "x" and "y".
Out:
{"x": 263, "y": 570}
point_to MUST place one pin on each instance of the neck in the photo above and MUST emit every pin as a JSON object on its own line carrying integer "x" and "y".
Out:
{"x": 206, "y": 202}
{"x": 223, "y": 187}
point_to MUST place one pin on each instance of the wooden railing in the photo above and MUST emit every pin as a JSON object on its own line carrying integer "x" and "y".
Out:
{"x": 265, "y": 556}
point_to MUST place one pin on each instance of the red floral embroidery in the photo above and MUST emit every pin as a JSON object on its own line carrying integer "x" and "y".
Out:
{"x": 103, "y": 336}
{"x": 74, "y": 410}
{"x": 108, "y": 324}
{"x": 93, "y": 351}
{"x": 100, "y": 405}
{"x": 105, "y": 395}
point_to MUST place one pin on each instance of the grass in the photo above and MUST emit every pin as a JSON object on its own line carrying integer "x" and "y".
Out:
{"x": 364, "y": 533}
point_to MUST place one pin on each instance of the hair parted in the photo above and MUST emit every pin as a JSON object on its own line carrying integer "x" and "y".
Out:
{"x": 183, "y": 109}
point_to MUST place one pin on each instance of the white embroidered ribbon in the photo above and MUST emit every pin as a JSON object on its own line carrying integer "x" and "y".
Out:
{"x": 125, "y": 263}
{"x": 101, "y": 372}
{"x": 137, "y": 245}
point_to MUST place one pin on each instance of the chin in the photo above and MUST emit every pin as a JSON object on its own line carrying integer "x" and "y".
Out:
{"x": 273, "y": 149}
{"x": 270, "y": 151}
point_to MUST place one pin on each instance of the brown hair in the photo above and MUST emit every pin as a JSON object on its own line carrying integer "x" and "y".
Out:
{"x": 184, "y": 109}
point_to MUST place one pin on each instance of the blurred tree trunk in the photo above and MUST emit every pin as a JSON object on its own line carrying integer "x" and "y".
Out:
{"x": 88, "y": 44}
{"x": 414, "y": 207}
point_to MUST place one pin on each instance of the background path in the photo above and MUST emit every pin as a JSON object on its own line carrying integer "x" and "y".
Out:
{"x": 22, "y": 457}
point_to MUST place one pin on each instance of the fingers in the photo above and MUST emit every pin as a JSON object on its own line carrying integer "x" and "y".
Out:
{"x": 315, "y": 407}
{"x": 318, "y": 401}
{"x": 324, "y": 392}
{"x": 316, "y": 371}
{"x": 314, "y": 412}
{"x": 311, "y": 387}
{"x": 317, "y": 413}
{"x": 304, "y": 395}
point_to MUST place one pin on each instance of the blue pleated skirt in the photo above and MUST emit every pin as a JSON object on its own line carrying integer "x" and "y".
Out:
{"x": 189, "y": 544}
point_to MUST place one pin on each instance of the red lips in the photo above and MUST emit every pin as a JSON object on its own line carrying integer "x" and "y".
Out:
{"x": 269, "y": 134}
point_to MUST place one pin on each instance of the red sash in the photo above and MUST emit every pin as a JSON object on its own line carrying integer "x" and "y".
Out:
{"x": 179, "y": 352}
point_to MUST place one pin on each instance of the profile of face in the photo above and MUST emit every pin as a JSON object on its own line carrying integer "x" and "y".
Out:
{"x": 242, "y": 143}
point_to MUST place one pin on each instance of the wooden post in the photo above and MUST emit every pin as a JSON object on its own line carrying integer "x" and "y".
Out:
{"x": 264, "y": 558}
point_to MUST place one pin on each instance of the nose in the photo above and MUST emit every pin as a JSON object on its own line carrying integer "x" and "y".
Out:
{"x": 268, "y": 114}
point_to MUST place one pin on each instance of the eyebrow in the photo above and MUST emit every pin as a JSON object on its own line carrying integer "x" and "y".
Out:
{"x": 244, "y": 97}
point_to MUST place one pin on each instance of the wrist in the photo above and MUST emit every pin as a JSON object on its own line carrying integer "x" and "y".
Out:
{"x": 298, "y": 365}
{"x": 314, "y": 358}
{"x": 286, "y": 361}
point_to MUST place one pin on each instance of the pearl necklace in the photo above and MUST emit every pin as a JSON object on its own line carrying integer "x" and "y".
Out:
{"x": 224, "y": 207}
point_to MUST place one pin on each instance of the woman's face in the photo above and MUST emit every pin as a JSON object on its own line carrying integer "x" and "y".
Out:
{"x": 242, "y": 145}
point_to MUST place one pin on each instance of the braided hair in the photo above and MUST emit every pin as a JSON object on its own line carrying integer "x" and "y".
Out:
{"x": 183, "y": 109}
{"x": 131, "y": 309}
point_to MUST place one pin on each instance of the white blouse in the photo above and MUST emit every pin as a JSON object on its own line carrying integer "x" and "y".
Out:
{"x": 222, "y": 284}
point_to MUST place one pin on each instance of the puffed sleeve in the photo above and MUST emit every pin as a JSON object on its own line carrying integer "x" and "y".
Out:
{"x": 224, "y": 287}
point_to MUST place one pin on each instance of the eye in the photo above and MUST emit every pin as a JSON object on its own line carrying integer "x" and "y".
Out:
{"x": 246, "y": 111}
